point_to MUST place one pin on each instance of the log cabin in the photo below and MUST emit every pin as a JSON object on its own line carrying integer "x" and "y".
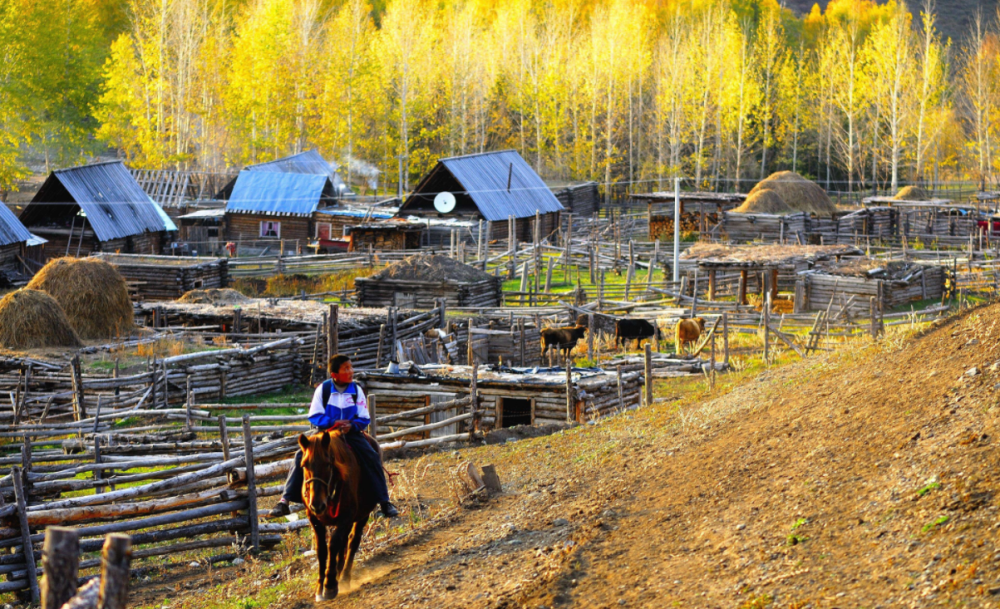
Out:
{"x": 14, "y": 238}
{"x": 492, "y": 186}
{"x": 96, "y": 208}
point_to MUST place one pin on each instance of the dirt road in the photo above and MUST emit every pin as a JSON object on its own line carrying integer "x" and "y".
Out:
{"x": 865, "y": 478}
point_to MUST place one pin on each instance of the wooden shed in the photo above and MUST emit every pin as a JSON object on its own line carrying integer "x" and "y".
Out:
{"x": 492, "y": 186}
{"x": 168, "y": 277}
{"x": 418, "y": 282}
{"x": 700, "y": 211}
{"x": 579, "y": 199}
{"x": 96, "y": 208}
{"x": 387, "y": 236}
{"x": 772, "y": 228}
{"x": 14, "y": 238}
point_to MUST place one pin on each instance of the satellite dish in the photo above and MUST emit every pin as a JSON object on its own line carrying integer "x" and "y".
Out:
{"x": 444, "y": 202}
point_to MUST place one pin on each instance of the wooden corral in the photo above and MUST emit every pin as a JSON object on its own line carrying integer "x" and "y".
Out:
{"x": 744, "y": 228}
{"x": 168, "y": 277}
{"x": 740, "y": 269}
{"x": 419, "y": 282}
{"x": 507, "y": 396}
{"x": 851, "y": 286}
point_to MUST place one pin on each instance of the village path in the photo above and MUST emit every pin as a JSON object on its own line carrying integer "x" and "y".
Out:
{"x": 864, "y": 478}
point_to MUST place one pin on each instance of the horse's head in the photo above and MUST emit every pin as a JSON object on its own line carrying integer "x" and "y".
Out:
{"x": 323, "y": 471}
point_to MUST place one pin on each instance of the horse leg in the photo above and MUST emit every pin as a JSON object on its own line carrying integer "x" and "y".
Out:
{"x": 352, "y": 550}
{"x": 319, "y": 533}
{"x": 337, "y": 542}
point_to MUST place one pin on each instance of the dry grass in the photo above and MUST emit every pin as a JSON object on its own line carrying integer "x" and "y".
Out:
{"x": 31, "y": 318}
{"x": 293, "y": 285}
{"x": 912, "y": 193}
{"x": 91, "y": 292}
{"x": 798, "y": 193}
{"x": 213, "y": 296}
{"x": 764, "y": 202}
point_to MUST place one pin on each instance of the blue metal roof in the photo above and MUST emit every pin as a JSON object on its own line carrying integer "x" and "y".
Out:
{"x": 485, "y": 178}
{"x": 279, "y": 194}
{"x": 113, "y": 202}
{"x": 11, "y": 229}
{"x": 310, "y": 162}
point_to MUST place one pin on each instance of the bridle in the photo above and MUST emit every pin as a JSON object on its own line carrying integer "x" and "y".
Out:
{"x": 333, "y": 505}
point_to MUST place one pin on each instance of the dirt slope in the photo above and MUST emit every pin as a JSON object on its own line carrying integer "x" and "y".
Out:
{"x": 867, "y": 478}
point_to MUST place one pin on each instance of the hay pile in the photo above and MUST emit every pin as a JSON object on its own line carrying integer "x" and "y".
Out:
{"x": 91, "y": 292}
{"x": 764, "y": 202}
{"x": 798, "y": 193}
{"x": 426, "y": 267}
{"x": 214, "y": 296}
{"x": 912, "y": 193}
{"x": 30, "y": 319}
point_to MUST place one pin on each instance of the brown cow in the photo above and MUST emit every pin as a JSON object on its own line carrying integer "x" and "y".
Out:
{"x": 563, "y": 339}
{"x": 687, "y": 331}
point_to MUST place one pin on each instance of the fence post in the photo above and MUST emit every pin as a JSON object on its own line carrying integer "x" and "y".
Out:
{"x": 474, "y": 396}
{"x": 590, "y": 337}
{"x": 188, "y": 395}
{"x": 621, "y": 397}
{"x": 648, "y": 371}
{"x": 381, "y": 341}
{"x": 569, "y": 390}
{"x": 251, "y": 485}
{"x": 333, "y": 330}
{"x": 470, "y": 355}
{"x": 78, "y": 407}
{"x": 115, "y": 559}
{"x": 61, "y": 564}
{"x": 725, "y": 338}
{"x": 28, "y": 548}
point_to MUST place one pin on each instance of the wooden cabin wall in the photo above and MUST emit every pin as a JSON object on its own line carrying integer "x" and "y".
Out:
{"x": 246, "y": 227}
{"x": 8, "y": 258}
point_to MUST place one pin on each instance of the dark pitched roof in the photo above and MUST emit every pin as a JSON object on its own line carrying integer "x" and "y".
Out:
{"x": 11, "y": 229}
{"x": 114, "y": 203}
{"x": 278, "y": 194}
{"x": 484, "y": 177}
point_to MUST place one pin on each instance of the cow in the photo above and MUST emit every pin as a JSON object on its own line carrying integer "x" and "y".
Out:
{"x": 634, "y": 329}
{"x": 563, "y": 339}
{"x": 687, "y": 331}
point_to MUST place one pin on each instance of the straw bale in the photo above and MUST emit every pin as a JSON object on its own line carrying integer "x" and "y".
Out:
{"x": 798, "y": 193}
{"x": 91, "y": 292}
{"x": 30, "y": 319}
{"x": 764, "y": 202}
{"x": 912, "y": 193}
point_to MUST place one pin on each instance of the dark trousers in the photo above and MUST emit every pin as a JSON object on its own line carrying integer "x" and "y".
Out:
{"x": 368, "y": 460}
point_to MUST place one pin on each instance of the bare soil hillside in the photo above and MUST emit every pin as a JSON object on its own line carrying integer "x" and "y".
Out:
{"x": 864, "y": 478}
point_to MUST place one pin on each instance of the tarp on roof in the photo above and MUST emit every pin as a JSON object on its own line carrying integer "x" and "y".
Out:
{"x": 114, "y": 203}
{"x": 485, "y": 176}
{"x": 279, "y": 194}
{"x": 11, "y": 229}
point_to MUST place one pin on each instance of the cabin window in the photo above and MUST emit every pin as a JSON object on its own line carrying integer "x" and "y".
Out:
{"x": 323, "y": 230}
{"x": 270, "y": 229}
{"x": 514, "y": 411}
{"x": 213, "y": 231}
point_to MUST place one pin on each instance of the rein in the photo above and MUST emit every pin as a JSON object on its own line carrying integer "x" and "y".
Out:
{"x": 333, "y": 509}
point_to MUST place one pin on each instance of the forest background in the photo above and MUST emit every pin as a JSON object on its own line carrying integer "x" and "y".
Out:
{"x": 625, "y": 92}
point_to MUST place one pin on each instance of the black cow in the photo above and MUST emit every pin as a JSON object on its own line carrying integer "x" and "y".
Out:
{"x": 563, "y": 339}
{"x": 634, "y": 329}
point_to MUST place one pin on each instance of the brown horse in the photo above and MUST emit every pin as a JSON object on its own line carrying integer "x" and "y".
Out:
{"x": 335, "y": 497}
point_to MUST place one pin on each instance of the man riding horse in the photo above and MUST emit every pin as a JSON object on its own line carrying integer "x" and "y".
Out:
{"x": 340, "y": 404}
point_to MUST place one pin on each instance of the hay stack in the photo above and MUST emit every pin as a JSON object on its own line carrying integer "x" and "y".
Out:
{"x": 912, "y": 193}
{"x": 91, "y": 292}
{"x": 798, "y": 193}
{"x": 764, "y": 202}
{"x": 30, "y": 319}
{"x": 214, "y": 296}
